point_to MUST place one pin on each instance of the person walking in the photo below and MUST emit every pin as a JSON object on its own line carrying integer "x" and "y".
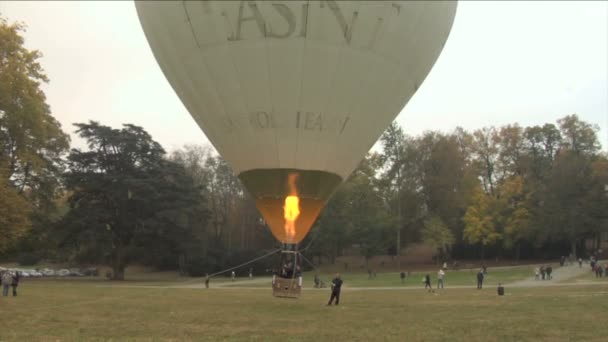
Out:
{"x": 537, "y": 273}
{"x": 336, "y": 286}
{"x": 15, "y": 283}
{"x": 580, "y": 262}
{"x": 207, "y": 281}
{"x": 542, "y": 272}
{"x": 480, "y": 279}
{"x": 427, "y": 282}
{"x": 250, "y": 273}
{"x": 402, "y": 275}
{"x": 7, "y": 281}
{"x": 440, "y": 275}
{"x": 549, "y": 270}
{"x": 233, "y": 276}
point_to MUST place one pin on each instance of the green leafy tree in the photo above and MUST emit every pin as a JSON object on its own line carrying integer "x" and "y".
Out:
{"x": 14, "y": 221}
{"x": 128, "y": 203}
{"x": 438, "y": 235}
{"x": 481, "y": 221}
{"x": 31, "y": 140}
{"x": 32, "y": 146}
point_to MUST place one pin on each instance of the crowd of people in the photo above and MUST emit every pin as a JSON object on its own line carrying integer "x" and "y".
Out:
{"x": 9, "y": 279}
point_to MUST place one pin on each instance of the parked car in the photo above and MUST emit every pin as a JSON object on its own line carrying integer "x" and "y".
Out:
{"x": 91, "y": 271}
{"x": 75, "y": 272}
{"x": 35, "y": 274}
{"x": 63, "y": 273}
{"x": 47, "y": 272}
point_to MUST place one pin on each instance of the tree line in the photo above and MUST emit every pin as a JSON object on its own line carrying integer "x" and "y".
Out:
{"x": 510, "y": 191}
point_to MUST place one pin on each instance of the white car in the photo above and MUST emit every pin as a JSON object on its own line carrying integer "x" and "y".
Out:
{"x": 35, "y": 274}
{"x": 63, "y": 273}
{"x": 48, "y": 272}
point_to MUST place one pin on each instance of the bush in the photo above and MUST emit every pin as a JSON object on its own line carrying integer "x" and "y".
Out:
{"x": 28, "y": 259}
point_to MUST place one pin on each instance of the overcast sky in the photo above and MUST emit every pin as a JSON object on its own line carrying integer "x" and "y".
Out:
{"x": 504, "y": 62}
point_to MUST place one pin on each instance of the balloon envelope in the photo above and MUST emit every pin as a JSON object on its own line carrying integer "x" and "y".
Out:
{"x": 295, "y": 87}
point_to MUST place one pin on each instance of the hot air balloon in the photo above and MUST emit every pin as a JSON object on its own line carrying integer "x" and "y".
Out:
{"x": 294, "y": 93}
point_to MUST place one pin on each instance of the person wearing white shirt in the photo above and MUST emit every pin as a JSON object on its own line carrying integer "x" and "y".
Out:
{"x": 440, "y": 275}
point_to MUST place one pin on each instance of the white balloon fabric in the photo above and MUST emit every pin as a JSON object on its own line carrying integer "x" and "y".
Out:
{"x": 305, "y": 85}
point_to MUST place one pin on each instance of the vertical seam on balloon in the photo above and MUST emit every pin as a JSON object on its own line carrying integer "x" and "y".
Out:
{"x": 333, "y": 79}
{"x": 190, "y": 23}
{"x": 215, "y": 84}
{"x": 269, "y": 75}
{"x": 238, "y": 83}
{"x": 298, "y": 109}
{"x": 209, "y": 134}
{"x": 217, "y": 143}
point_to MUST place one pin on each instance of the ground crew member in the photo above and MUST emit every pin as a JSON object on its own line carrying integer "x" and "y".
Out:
{"x": 336, "y": 285}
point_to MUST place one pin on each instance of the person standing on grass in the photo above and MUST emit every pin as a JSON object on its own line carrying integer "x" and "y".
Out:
{"x": 542, "y": 272}
{"x": 15, "y": 283}
{"x": 440, "y": 275}
{"x": 549, "y": 271}
{"x": 480, "y": 279}
{"x": 402, "y": 275}
{"x": 7, "y": 281}
{"x": 336, "y": 286}
{"x": 427, "y": 282}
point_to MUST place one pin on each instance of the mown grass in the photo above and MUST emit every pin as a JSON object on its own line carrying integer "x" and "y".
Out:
{"x": 67, "y": 310}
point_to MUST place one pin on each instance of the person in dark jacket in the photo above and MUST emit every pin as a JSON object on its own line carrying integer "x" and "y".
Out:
{"x": 427, "y": 282}
{"x": 336, "y": 285}
{"x": 480, "y": 279}
{"x": 549, "y": 270}
{"x": 15, "y": 283}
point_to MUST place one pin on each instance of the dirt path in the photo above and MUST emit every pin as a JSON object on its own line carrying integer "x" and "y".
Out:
{"x": 559, "y": 275}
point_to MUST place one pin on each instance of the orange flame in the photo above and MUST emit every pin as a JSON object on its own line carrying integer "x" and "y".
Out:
{"x": 291, "y": 210}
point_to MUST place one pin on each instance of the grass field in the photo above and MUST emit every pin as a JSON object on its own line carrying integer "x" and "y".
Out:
{"x": 68, "y": 310}
{"x": 392, "y": 279}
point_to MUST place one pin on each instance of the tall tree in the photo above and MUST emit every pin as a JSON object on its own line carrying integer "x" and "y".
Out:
{"x": 579, "y": 136}
{"x": 481, "y": 221}
{"x": 485, "y": 149}
{"x": 438, "y": 235}
{"x": 392, "y": 157}
{"x": 126, "y": 198}
{"x": 31, "y": 140}
{"x": 14, "y": 222}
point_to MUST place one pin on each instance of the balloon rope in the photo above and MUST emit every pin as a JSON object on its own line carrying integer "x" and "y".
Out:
{"x": 244, "y": 264}
{"x": 314, "y": 237}
{"x": 308, "y": 261}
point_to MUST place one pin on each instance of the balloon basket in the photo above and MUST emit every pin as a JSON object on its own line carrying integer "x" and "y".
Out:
{"x": 287, "y": 283}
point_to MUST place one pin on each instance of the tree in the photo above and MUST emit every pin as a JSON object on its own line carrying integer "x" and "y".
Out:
{"x": 480, "y": 221}
{"x": 579, "y": 136}
{"x": 14, "y": 221}
{"x": 127, "y": 201}
{"x": 515, "y": 209}
{"x": 437, "y": 235}
{"x": 485, "y": 150}
{"x": 392, "y": 157}
{"x": 369, "y": 218}
{"x": 31, "y": 140}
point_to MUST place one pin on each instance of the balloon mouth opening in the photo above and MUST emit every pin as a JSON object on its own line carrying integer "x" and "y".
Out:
{"x": 290, "y": 200}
